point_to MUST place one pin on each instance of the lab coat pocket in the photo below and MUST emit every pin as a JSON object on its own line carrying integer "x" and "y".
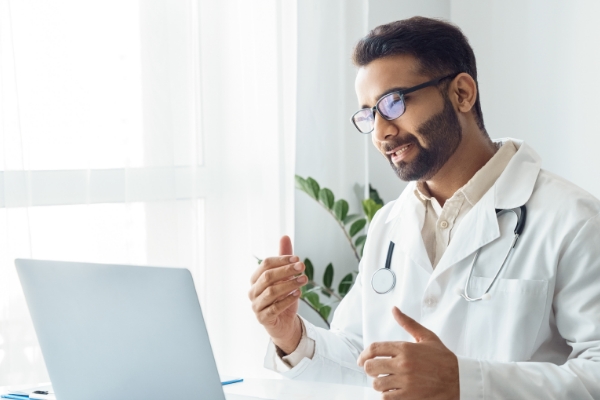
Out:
{"x": 505, "y": 326}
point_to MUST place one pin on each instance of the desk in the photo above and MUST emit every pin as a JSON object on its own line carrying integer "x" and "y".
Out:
{"x": 285, "y": 389}
{"x": 282, "y": 389}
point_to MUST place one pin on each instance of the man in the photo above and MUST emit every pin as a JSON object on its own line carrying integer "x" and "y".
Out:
{"x": 533, "y": 330}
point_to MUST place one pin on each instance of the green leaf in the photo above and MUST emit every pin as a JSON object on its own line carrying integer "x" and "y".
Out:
{"x": 313, "y": 299}
{"x": 300, "y": 182}
{"x": 340, "y": 209}
{"x": 325, "y": 311}
{"x": 307, "y": 288}
{"x": 350, "y": 218}
{"x": 360, "y": 241}
{"x": 258, "y": 260}
{"x": 325, "y": 293}
{"x": 309, "y": 271}
{"x": 328, "y": 276}
{"x": 303, "y": 185}
{"x": 357, "y": 226}
{"x": 326, "y": 197}
{"x": 374, "y": 195}
{"x": 313, "y": 187}
{"x": 345, "y": 284}
{"x": 370, "y": 207}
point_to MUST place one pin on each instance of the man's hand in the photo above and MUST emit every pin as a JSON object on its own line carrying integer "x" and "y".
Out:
{"x": 274, "y": 294}
{"x": 422, "y": 370}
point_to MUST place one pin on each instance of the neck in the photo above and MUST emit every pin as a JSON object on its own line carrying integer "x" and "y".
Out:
{"x": 474, "y": 151}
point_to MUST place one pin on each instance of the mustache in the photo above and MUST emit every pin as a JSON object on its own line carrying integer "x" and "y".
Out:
{"x": 391, "y": 145}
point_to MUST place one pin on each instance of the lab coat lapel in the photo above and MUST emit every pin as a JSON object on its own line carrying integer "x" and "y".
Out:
{"x": 408, "y": 217}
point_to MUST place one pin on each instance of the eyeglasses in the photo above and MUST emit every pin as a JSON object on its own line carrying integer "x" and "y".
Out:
{"x": 390, "y": 106}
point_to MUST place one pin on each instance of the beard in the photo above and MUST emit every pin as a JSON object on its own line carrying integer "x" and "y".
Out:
{"x": 442, "y": 133}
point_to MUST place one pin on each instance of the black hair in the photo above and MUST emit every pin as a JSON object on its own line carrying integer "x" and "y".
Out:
{"x": 440, "y": 48}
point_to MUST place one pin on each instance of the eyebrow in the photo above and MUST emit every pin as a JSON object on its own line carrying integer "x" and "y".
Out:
{"x": 395, "y": 89}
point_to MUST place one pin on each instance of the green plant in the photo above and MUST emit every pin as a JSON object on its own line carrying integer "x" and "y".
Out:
{"x": 352, "y": 225}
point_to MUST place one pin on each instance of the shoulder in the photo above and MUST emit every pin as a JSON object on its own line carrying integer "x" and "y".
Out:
{"x": 558, "y": 194}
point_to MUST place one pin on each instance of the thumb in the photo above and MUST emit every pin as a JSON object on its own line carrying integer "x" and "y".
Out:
{"x": 285, "y": 246}
{"x": 416, "y": 330}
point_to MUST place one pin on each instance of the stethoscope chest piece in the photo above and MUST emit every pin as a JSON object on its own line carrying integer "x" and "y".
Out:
{"x": 383, "y": 280}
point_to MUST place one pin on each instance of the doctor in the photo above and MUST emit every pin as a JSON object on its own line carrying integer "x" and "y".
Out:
{"x": 535, "y": 334}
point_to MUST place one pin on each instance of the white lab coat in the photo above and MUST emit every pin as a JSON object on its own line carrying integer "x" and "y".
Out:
{"x": 538, "y": 336}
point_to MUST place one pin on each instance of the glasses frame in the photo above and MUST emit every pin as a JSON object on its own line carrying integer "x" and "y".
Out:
{"x": 432, "y": 82}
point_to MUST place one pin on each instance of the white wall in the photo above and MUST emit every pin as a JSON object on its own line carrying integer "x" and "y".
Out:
{"x": 538, "y": 67}
{"x": 328, "y": 148}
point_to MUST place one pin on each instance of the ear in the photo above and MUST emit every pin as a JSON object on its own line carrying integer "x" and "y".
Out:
{"x": 464, "y": 92}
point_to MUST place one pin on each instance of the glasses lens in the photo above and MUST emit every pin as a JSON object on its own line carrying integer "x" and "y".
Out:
{"x": 391, "y": 106}
{"x": 363, "y": 120}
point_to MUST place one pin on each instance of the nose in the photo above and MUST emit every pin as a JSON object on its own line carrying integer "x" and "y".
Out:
{"x": 383, "y": 129}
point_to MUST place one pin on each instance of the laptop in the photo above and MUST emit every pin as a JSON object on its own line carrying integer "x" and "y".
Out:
{"x": 120, "y": 331}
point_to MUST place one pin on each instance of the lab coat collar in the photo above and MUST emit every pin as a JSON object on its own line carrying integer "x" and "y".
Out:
{"x": 512, "y": 189}
{"x": 515, "y": 185}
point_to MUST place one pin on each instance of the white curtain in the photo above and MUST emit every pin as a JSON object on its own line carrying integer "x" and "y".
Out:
{"x": 146, "y": 132}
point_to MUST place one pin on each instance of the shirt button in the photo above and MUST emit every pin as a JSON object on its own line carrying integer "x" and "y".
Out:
{"x": 444, "y": 224}
{"x": 431, "y": 302}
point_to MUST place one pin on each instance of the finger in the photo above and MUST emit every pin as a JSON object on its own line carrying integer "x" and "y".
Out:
{"x": 285, "y": 246}
{"x": 386, "y": 383}
{"x": 270, "y": 263}
{"x": 380, "y": 366}
{"x": 381, "y": 349}
{"x": 275, "y": 293}
{"x": 274, "y": 276}
{"x": 271, "y": 312}
{"x": 416, "y": 330}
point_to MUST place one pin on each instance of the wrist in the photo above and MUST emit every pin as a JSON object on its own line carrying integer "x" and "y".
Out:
{"x": 289, "y": 344}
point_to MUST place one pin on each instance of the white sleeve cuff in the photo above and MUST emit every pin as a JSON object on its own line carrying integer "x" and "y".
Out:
{"x": 470, "y": 378}
{"x": 305, "y": 349}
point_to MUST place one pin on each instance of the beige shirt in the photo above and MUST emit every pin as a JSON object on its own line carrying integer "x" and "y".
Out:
{"x": 438, "y": 228}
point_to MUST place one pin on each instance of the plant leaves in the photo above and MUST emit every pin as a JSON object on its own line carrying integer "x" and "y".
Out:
{"x": 313, "y": 299}
{"x": 300, "y": 182}
{"x": 309, "y": 271}
{"x": 325, "y": 293}
{"x": 350, "y": 218}
{"x": 374, "y": 195}
{"x": 370, "y": 207}
{"x": 328, "y": 276}
{"x": 327, "y": 198}
{"x": 313, "y": 187}
{"x": 345, "y": 284}
{"x": 325, "y": 311}
{"x": 303, "y": 185}
{"x": 360, "y": 241}
{"x": 340, "y": 209}
{"x": 357, "y": 226}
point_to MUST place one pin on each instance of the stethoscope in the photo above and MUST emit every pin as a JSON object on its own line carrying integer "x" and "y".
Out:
{"x": 384, "y": 279}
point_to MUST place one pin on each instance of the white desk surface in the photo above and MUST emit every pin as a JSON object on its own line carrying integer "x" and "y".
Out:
{"x": 285, "y": 389}
{"x": 281, "y": 389}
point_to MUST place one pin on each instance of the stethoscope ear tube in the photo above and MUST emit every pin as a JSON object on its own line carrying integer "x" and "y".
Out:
{"x": 388, "y": 260}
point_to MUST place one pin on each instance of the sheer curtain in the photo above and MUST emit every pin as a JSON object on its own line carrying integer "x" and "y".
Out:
{"x": 146, "y": 132}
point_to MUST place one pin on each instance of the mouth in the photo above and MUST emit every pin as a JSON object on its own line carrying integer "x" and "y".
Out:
{"x": 400, "y": 152}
